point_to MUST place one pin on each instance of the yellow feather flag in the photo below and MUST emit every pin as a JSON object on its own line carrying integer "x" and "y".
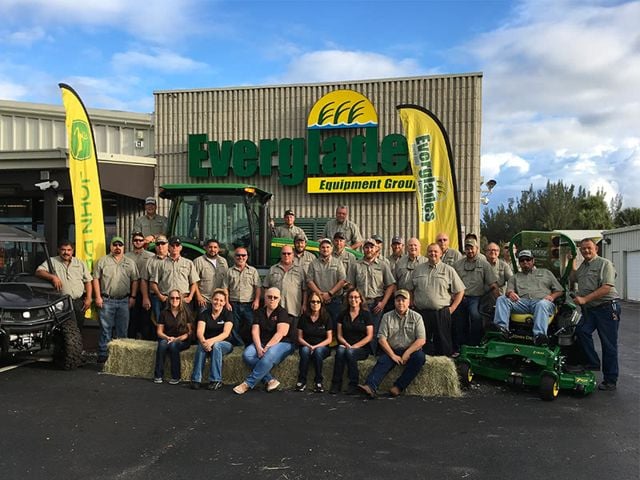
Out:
{"x": 85, "y": 181}
{"x": 432, "y": 166}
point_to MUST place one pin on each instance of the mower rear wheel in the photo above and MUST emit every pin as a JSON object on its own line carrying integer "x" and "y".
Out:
{"x": 549, "y": 387}
{"x": 466, "y": 374}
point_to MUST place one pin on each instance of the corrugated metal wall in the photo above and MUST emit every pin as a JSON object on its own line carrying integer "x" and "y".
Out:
{"x": 281, "y": 111}
{"x": 622, "y": 242}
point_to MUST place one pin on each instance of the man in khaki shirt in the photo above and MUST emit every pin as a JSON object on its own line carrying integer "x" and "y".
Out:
{"x": 532, "y": 290}
{"x": 342, "y": 224}
{"x": 288, "y": 229}
{"x": 327, "y": 278}
{"x": 115, "y": 286}
{"x": 212, "y": 270}
{"x": 437, "y": 292}
{"x": 401, "y": 338}
{"x": 301, "y": 256}
{"x": 140, "y": 317}
{"x": 407, "y": 264}
{"x": 243, "y": 290}
{"x": 449, "y": 255}
{"x": 151, "y": 224}
{"x": 71, "y": 276}
{"x": 289, "y": 278}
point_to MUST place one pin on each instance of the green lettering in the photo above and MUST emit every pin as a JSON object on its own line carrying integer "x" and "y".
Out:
{"x": 245, "y": 158}
{"x": 268, "y": 148}
{"x": 291, "y": 161}
{"x": 394, "y": 153}
{"x": 220, "y": 158}
{"x": 335, "y": 160}
{"x": 313, "y": 152}
{"x": 197, "y": 156}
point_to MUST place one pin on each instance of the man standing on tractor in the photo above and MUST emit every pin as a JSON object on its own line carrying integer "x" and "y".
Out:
{"x": 151, "y": 224}
{"x": 288, "y": 229}
{"x": 532, "y": 290}
{"x": 342, "y": 224}
{"x": 598, "y": 298}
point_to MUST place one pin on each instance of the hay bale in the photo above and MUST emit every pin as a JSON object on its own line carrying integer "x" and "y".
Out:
{"x": 136, "y": 358}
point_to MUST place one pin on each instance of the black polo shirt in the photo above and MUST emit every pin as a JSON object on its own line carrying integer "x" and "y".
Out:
{"x": 268, "y": 326}
{"x": 214, "y": 326}
{"x": 355, "y": 330}
{"x": 314, "y": 332}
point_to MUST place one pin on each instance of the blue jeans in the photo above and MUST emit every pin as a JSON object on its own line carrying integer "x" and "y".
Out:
{"x": 540, "y": 308}
{"x": 242, "y": 321}
{"x": 261, "y": 367}
{"x": 467, "y": 323}
{"x": 334, "y": 307}
{"x": 219, "y": 350}
{"x": 318, "y": 356}
{"x": 113, "y": 314}
{"x": 606, "y": 320}
{"x": 174, "y": 348}
{"x": 350, "y": 357}
{"x": 384, "y": 365}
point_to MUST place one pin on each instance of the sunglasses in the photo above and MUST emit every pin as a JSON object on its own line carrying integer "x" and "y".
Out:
{"x": 118, "y": 244}
{"x": 241, "y": 254}
{"x": 313, "y": 302}
{"x": 272, "y": 297}
{"x": 287, "y": 253}
{"x": 161, "y": 243}
{"x": 138, "y": 239}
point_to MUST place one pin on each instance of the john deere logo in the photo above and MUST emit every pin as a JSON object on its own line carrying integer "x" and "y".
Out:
{"x": 342, "y": 109}
{"x": 80, "y": 140}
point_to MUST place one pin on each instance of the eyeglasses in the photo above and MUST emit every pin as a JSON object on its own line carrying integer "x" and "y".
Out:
{"x": 313, "y": 302}
{"x": 493, "y": 250}
{"x": 272, "y": 297}
{"x": 287, "y": 253}
{"x": 174, "y": 298}
{"x": 118, "y": 244}
{"x": 354, "y": 297}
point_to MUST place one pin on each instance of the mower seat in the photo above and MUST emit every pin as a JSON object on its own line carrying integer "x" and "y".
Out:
{"x": 527, "y": 318}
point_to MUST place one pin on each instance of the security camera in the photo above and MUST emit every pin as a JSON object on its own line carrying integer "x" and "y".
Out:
{"x": 491, "y": 184}
{"x": 47, "y": 184}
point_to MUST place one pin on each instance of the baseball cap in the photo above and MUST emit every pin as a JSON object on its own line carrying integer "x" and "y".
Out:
{"x": 397, "y": 239}
{"x": 289, "y": 212}
{"x": 161, "y": 239}
{"x": 471, "y": 241}
{"x": 339, "y": 235}
{"x": 150, "y": 201}
{"x": 325, "y": 240}
{"x": 402, "y": 293}
{"x": 369, "y": 240}
{"x": 377, "y": 238}
{"x": 117, "y": 239}
{"x": 525, "y": 254}
{"x": 298, "y": 237}
{"x": 137, "y": 234}
{"x": 175, "y": 241}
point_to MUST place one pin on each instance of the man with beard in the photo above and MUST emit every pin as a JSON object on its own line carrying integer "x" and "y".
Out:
{"x": 301, "y": 256}
{"x": 212, "y": 269}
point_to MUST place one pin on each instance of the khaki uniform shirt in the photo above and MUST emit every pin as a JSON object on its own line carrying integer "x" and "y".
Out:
{"x": 348, "y": 260}
{"x": 242, "y": 284}
{"x": 151, "y": 270}
{"x": 303, "y": 260}
{"x": 401, "y": 332}
{"x": 404, "y": 269}
{"x": 536, "y": 284}
{"x": 72, "y": 276}
{"x": 151, "y": 226}
{"x": 451, "y": 256}
{"x": 433, "y": 285}
{"x": 177, "y": 274}
{"x": 211, "y": 277}
{"x": 115, "y": 277}
{"x": 141, "y": 259}
{"x": 476, "y": 274}
{"x": 325, "y": 274}
{"x": 284, "y": 231}
{"x": 371, "y": 279}
{"x": 393, "y": 261}
{"x": 503, "y": 272}
{"x": 351, "y": 230}
{"x": 592, "y": 275}
{"x": 291, "y": 285}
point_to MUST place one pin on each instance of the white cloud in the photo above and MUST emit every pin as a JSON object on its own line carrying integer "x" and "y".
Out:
{"x": 26, "y": 36}
{"x": 334, "y": 65}
{"x": 12, "y": 91}
{"x": 161, "y": 61}
{"x": 492, "y": 164}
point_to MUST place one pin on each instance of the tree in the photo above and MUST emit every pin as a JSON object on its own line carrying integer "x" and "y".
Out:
{"x": 556, "y": 207}
{"x": 627, "y": 217}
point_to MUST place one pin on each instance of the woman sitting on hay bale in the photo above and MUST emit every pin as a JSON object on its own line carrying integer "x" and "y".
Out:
{"x": 174, "y": 336}
{"x": 213, "y": 328}
{"x": 270, "y": 332}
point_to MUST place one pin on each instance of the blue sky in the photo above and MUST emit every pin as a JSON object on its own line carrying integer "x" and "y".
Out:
{"x": 561, "y": 95}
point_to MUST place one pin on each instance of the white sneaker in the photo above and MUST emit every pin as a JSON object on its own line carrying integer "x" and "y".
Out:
{"x": 157, "y": 380}
{"x": 174, "y": 381}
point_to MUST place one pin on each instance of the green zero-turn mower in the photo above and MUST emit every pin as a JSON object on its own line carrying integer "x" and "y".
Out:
{"x": 516, "y": 360}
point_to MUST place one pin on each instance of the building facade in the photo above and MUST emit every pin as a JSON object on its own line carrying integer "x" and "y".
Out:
{"x": 257, "y": 114}
{"x": 622, "y": 247}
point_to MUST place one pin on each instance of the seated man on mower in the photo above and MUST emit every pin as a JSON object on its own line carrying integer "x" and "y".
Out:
{"x": 533, "y": 290}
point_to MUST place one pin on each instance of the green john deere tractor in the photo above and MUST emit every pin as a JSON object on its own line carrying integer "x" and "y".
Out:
{"x": 517, "y": 360}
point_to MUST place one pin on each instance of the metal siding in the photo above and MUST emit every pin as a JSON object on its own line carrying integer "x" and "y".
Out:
{"x": 281, "y": 112}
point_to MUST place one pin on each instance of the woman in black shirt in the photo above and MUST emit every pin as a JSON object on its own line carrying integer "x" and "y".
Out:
{"x": 314, "y": 337}
{"x": 354, "y": 332}
{"x": 271, "y": 343}
{"x": 212, "y": 331}
{"x": 174, "y": 334}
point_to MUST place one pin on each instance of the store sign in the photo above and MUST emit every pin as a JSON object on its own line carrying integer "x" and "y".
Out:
{"x": 394, "y": 183}
{"x": 316, "y": 155}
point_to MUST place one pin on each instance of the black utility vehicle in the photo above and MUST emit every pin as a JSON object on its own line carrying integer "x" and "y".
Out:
{"x": 33, "y": 315}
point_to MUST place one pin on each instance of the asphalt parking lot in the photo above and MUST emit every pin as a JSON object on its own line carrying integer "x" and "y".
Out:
{"x": 84, "y": 424}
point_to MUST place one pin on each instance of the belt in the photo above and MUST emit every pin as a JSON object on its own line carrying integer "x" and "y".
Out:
{"x": 110, "y": 297}
{"x": 608, "y": 303}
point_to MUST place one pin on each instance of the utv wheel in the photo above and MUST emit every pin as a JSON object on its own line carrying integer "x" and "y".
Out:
{"x": 67, "y": 350}
{"x": 549, "y": 387}
{"x": 466, "y": 374}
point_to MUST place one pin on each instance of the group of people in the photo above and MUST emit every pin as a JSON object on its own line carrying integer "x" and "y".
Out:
{"x": 398, "y": 307}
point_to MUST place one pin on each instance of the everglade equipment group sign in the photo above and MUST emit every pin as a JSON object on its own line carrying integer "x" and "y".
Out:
{"x": 329, "y": 163}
